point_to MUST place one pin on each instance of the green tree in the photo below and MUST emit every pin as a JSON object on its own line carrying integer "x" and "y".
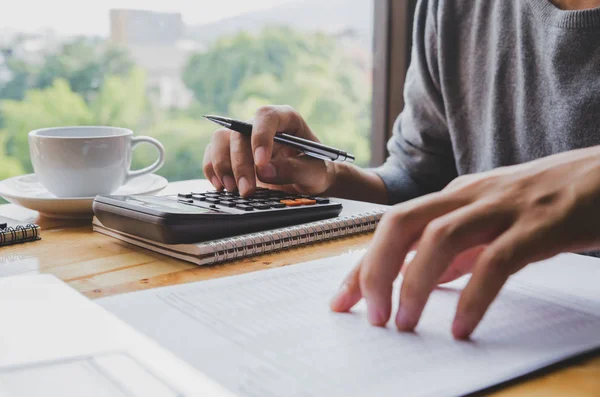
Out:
{"x": 84, "y": 63}
{"x": 215, "y": 75}
{"x": 282, "y": 66}
{"x": 21, "y": 79}
{"x": 10, "y": 165}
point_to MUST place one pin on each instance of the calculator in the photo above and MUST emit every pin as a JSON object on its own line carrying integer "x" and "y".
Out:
{"x": 201, "y": 216}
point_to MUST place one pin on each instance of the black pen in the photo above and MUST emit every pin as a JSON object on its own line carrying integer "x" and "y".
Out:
{"x": 310, "y": 148}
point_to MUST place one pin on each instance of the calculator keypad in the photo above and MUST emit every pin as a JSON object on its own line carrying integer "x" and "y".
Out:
{"x": 261, "y": 200}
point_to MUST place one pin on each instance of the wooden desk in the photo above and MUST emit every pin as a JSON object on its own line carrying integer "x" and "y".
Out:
{"x": 97, "y": 266}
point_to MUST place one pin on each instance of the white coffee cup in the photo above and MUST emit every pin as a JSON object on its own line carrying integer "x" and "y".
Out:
{"x": 86, "y": 161}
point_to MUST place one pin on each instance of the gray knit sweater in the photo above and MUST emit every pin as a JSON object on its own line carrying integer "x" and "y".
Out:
{"x": 493, "y": 83}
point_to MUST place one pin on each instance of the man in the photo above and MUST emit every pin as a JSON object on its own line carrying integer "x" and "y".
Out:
{"x": 492, "y": 83}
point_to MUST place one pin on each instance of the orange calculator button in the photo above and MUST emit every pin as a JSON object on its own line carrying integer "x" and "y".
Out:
{"x": 307, "y": 201}
{"x": 291, "y": 203}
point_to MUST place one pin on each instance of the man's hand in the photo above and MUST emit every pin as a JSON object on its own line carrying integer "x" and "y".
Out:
{"x": 490, "y": 224}
{"x": 230, "y": 159}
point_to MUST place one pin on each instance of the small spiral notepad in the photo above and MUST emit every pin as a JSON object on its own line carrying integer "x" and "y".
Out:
{"x": 226, "y": 249}
{"x": 18, "y": 234}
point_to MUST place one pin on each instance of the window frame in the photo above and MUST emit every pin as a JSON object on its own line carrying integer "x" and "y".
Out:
{"x": 392, "y": 38}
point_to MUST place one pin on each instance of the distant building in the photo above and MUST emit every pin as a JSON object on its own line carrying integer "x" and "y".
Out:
{"x": 140, "y": 27}
{"x": 155, "y": 42}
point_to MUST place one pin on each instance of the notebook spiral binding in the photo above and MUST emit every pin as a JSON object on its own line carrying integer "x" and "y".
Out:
{"x": 275, "y": 240}
{"x": 19, "y": 234}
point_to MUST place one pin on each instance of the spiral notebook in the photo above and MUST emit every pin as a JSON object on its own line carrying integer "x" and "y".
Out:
{"x": 11, "y": 232}
{"x": 356, "y": 217}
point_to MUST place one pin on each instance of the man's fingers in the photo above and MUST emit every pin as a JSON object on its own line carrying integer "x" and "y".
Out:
{"x": 443, "y": 239}
{"x": 221, "y": 159}
{"x": 510, "y": 252}
{"x": 207, "y": 167}
{"x": 461, "y": 265}
{"x": 397, "y": 232}
{"x": 242, "y": 163}
{"x": 349, "y": 293}
{"x": 268, "y": 121}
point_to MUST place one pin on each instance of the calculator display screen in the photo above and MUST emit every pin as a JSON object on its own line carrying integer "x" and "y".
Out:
{"x": 174, "y": 206}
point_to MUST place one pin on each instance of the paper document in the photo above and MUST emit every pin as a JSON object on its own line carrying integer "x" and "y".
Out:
{"x": 55, "y": 342}
{"x": 14, "y": 264}
{"x": 271, "y": 333}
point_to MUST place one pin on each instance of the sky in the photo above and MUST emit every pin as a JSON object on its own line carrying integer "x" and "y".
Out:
{"x": 90, "y": 17}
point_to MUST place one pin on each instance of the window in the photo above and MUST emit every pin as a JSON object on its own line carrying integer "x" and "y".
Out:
{"x": 156, "y": 67}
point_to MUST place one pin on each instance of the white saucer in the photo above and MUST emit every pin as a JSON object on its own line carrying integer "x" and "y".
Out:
{"x": 26, "y": 191}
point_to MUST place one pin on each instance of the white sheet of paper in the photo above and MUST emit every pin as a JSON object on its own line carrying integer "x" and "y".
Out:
{"x": 15, "y": 264}
{"x": 271, "y": 333}
{"x": 55, "y": 342}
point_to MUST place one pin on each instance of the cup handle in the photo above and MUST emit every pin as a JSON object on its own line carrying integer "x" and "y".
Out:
{"x": 157, "y": 164}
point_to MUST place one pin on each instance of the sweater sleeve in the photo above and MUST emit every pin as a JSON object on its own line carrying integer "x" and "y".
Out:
{"x": 421, "y": 157}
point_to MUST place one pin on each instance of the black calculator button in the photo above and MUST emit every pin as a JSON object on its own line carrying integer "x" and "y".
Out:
{"x": 212, "y": 200}
{"x": 186, "y": 201}
{"x": 277, "y": 204}
{"x": 185, "y": 195}
{"x": 228, "y": 203}
{"x": 242, "y": 201}
{"x": 244, "y": 207}
{"x": 321, "y": 200}
{"x": 198, "y": 197}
